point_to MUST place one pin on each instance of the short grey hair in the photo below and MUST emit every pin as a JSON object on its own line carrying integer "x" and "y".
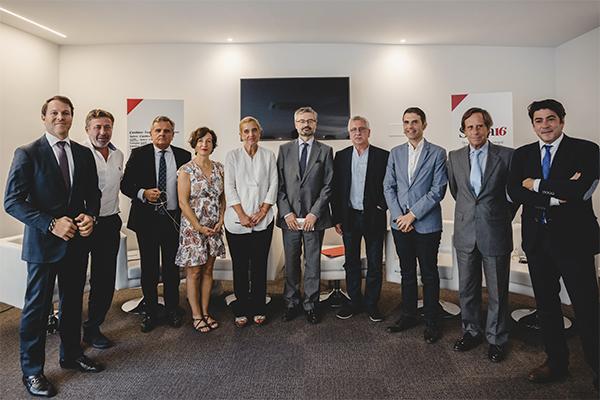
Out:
{"x": 359, "y": 118}
{"x": 303, "y": 110}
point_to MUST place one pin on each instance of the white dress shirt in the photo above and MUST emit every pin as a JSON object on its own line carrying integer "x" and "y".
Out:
{"x": 359, "y": 177}
{"x": 413, "y": 158}
{"x": 249, "y": 182}
{"x": 110, "y": 172}
{"x": 53, "y": 140}
{"x": 536, "y": 182}
{"x": 172, "y": 202}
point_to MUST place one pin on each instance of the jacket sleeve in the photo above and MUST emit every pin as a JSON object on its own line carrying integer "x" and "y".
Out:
{"x": 130, "y": 185}
{"x": 283, "y": 204}
{"x": 390, "y": 188}
{"x": 517, "y": 193}
{"x": 451, "y": 178}
{"x": 322, "y": 201}
{"x": 93, "y": 193}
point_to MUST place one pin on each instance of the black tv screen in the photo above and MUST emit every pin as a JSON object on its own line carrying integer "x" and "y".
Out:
{"x": 273, "y": 102}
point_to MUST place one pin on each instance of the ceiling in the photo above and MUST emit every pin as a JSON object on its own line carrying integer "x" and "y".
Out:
{"x": 477, "y": 22}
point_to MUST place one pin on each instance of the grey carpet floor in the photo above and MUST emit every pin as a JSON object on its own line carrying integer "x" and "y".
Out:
{"x": 351, "y": 359}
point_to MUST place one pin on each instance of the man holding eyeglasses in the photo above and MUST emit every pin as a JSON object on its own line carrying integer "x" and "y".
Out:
{"x": 359, "y": 209}
{"x": 305, "y": 169}
{"x": 150, "y": 180}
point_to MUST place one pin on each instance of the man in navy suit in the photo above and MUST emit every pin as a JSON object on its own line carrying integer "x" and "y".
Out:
{"x": 553, "y": 178}
{"x": 358, "y": 209}
{"x": 52, "y": 188}
{"x": 150, "y": 180}
{"x": 414, "y": 185}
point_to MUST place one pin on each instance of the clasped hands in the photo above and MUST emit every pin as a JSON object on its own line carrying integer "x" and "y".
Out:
{"x": 215, "y": 230}
{"x": 65, "y": 227}
{"x": 250, "y": 221}
{"x": 528, "y": 183}
{"x": 405, "y": 222}
{"x": 309, "y": 222}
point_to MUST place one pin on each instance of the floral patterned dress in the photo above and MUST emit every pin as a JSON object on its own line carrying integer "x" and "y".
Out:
{"x": 194, "y": 247}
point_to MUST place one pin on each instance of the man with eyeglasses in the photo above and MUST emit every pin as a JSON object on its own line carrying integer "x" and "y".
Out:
{"x": 150, "y": 180}
{"x": 359, "y": 210}
{"x": 106, "y": 236}
{"x": 52, "y": 187}
{"x": 305, "y": 169}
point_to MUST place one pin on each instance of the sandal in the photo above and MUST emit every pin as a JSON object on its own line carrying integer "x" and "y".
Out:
{"x": 241, "y": 322}
{"x": 260, "y": 319}
{"x": 201, "y": 325}
{"x": 211, "y": 322}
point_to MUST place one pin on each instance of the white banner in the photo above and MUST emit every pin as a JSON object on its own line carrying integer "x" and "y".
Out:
{"x": 141, "y": 113}
{"x": 499, "y": 105}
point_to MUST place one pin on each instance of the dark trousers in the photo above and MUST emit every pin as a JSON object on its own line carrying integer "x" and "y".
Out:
{"x": 546, "y": 266}
{"x": 104, "y": 248}
{"x": 160, "y": 238}
{"x": 249, "y": 253}
{"x": 353, "y": 234}
{"x": 71, "y": 271}
{"x": 413, "y": 246}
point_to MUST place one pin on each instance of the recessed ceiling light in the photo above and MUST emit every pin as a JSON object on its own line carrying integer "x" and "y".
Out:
{"x": 402, "y": 40}
{"x": 33, "y": 22}
{"x": 230, "y": 39}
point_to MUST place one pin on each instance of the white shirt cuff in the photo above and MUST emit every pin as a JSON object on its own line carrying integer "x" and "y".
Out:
{"x": 536, "y": 185}
{"x": 140, "y": 195}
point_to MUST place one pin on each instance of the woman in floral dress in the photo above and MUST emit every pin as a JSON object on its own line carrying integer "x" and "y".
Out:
{"x": 202, "y": 203}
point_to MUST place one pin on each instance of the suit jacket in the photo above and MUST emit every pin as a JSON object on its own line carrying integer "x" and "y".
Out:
{"x": 311, "y": 193}
{"x": 374, "y": 204}
{"x": 36, "y": 193}
{"x": 573, "y": 225}
{"x": 426, "y": 190}
{"x": 140, "y": 173}
{"x": 484, "y": 220}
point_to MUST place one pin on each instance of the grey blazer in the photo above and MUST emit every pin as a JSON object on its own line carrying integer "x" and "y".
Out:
{"x": 311, "y": 193}
{"x": 483, "y": 221}
{"x": 425, "y": 192}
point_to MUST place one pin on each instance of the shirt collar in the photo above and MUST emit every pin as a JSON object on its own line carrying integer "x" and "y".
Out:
{"x": 484, "y": 148}
{"x": 355, "y": 152}
{"x": 309, "y": 141}
{"x": 157, "y": 150}
{"x": 554, "y": 144}
{"x": 52, "y": 140}
{"x": 419, "y": 145}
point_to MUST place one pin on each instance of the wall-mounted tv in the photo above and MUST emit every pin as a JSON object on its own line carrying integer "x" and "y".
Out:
{"x": 273, "y": 102}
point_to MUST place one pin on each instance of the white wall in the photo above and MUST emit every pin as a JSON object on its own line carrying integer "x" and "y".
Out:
{"x": 578, "y": 87}
{"x": 384, "y": 81}
{"x": 28, "y": 76}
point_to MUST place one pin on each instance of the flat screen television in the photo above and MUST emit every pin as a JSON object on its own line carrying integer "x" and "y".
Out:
{"x": 273, "y": 102}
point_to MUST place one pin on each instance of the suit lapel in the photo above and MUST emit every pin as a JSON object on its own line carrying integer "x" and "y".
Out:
{"x": 294, "y": 158}
{"x": 50, "y": 159}
{"x": 403, "y": 161}
{"x": 491, "y": 164}
{"x": 420, "y": 161}
{"x": 560, "y": 155}
{"x": 464, "y": 163}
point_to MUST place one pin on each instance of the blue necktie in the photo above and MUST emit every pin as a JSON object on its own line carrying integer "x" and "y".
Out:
{"x": 546, "y": 163}
{"x": 162, "y": 180}
{"x": 475, "y": 176}
{"x": 303, "y": 156}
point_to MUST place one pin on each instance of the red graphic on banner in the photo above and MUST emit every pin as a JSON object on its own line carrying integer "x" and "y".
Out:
{"x": 132, "y": 103}
{"x": 456, "y": 99}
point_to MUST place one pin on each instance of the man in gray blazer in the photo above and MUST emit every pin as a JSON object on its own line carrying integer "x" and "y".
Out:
{"x": 305, "y": 169}
{"x": 414, "y": 185}
{"x": 477, "y": 176}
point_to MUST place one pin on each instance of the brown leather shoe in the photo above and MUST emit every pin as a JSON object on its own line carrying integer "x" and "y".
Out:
{"x": 544, "y": 374}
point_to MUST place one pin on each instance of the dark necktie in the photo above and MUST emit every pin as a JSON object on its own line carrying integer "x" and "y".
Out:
{"x": 162, "y": 180}
{"x": 546, "y": 162}
{"x": 63, "y": 164}
{"x": 303, "y": 156}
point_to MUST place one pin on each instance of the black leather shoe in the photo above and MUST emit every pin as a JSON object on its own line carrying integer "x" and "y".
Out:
{"x": 496, "y": 353}
{"x": 174, "y": 319}
{"x": 83, "y": 364}
{"x": 375, "y": 315}
{"x": 38, "y": 385}
{"x": 403, "y": 324}
{"x": 148, "y": 323}
{"x": 467, "y": 342}
{"x": 290, "y": 314}
{"x": 97, "y": 340}
{"x": 346, "y": 312}
{"x": 312, "y": 316}
{"x": 544, "y": 374}
{"x": 432, "y": 333}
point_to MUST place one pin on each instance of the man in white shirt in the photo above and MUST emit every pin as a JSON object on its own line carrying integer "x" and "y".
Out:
{"x": 105, "y": 239}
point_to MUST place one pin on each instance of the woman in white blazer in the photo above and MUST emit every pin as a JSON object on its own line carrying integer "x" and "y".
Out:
{"x": 250, "y": 192}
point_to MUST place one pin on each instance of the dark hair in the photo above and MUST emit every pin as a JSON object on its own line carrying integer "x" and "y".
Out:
{"x": 62, "y": 99}
{"x": 415, "y": 110}
{"x": 487, "y": 118}
{"x": 199, "y": 134}
{"x": 98, "y": 113}
{"x": 549, "y": 104}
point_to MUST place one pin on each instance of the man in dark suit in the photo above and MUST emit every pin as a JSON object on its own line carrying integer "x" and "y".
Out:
{"x": 477, "y": 176}
{"x": 305, "y": 170}
{"x": 52, "y": 188}
{"x": 358, "y": 209}
{"x": 150, "y": 180}
{"x": 553, "y": 178}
